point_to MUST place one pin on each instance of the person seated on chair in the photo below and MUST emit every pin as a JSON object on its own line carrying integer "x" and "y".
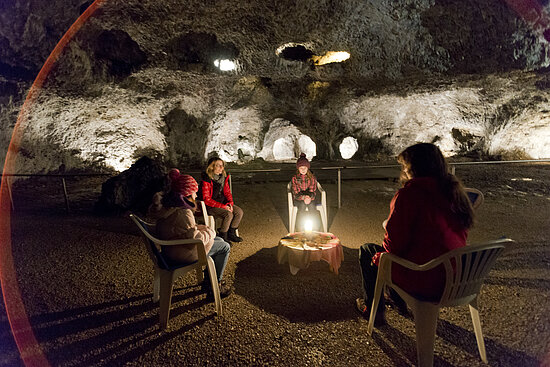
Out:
{"x": 174, "y": 217}
{"x": 304, "y": 189}
{"x": 216, "y": 194}
{"x": 429, "y": 216}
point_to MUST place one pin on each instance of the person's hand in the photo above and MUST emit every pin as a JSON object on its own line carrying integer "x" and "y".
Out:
{"x": 376, "y": 258}
{"x": 230, "y": 208}
{"x": 307, "y": 200}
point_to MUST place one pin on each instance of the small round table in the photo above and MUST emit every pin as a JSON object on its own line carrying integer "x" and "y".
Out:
{"x": 301, "y": 248}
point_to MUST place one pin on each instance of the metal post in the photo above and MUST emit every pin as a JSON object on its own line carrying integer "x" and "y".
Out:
{"x": 66, "y": 196}
{"x": 453, "y": 169}
{"x": 230, "y": 185}
{"x": 8, "y": 184}
{"x": 339, "y": 189}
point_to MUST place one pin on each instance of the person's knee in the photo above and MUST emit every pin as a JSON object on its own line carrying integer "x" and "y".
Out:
{"x": 365, "y": 252}
{"x": 225, "y": 213}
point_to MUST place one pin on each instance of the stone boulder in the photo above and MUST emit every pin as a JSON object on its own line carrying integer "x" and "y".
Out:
{"x": 133, "y": 189}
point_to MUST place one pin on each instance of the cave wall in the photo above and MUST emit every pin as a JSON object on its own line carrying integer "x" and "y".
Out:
{"x": 139, "y": 78}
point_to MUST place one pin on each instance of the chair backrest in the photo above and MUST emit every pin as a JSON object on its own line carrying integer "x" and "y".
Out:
{"x": 289, "y": 188}
{"x": 466, "y": 269}
{"x": 209, "y": 220}
{"x": 152, "y": 249}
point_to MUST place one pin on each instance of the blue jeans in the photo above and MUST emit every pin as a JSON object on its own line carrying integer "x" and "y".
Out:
{"x": 219, "y": 253}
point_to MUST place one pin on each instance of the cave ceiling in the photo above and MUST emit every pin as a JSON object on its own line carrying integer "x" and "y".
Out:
{"x": 183, "y": 80}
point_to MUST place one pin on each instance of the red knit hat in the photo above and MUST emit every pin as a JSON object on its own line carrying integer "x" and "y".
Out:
{"x": 182, "y": 184}
{"x": 173, "y": 174}
{"x": 302, "y": 161}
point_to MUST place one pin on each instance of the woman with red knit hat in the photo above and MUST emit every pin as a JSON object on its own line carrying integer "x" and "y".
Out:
{"x": 174, "y": 214}
{"x": 304, "y": 187}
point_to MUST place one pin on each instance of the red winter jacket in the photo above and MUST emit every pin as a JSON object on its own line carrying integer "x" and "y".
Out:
{"x": 420, "y": 228}
{"x": 206, "y": 192}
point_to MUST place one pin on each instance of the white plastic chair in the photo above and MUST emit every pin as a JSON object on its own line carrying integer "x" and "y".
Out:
{"x": 465, "y": 271}
{"x": 475, "y": 196}
{"x": 210, "y": 219}
{"x": 207, "y": 219}
{"x": 166, "y": 274}
{"x": 293, "y": 210}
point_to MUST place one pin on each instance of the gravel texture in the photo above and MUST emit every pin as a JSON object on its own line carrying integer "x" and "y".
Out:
{"x": 86, "y": 283}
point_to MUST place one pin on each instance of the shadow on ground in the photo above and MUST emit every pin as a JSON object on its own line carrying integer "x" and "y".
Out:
{"x": 314, "y": 294}
{"x": 118, "y": 331}
{"x": 401, "y": 348}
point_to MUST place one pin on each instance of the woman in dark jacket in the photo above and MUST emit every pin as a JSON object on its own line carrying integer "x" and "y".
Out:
{"x": 216, "y": 194}
{"x": 429, "y": 216}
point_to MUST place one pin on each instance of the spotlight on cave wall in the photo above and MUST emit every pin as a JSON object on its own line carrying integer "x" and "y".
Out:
{"x": 330, "y": 57}
{"x": 224, "y": 65}
{"x": 348, "y": 147}
{"x": 307, "y": 146}
{"x": 286, "y": 148}
{"x": 283, "y": 149}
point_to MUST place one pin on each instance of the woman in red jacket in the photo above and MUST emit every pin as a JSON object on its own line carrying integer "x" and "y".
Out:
{"x": 429, "y": 216}
{"x": 216, "y": 194}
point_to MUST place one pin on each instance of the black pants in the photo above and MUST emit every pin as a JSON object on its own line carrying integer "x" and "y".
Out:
{"x": 369, "y": 272}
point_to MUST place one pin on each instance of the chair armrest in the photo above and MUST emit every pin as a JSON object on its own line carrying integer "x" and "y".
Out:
{"x": 192, "y": 241}
{"x": 289, "y": 195}
{"x": 320, "y": 188}
{"x": 388, "y": 258}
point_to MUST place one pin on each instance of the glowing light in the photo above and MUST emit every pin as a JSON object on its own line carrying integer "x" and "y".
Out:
{"x": 308, "y": 225}
{"x": 330, "y": 57}
{"x": 348, "y": 147}
{"x": 225, "y": 64}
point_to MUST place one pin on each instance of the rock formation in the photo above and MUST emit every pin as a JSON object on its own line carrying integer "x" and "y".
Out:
{"x": 182, "y": 80}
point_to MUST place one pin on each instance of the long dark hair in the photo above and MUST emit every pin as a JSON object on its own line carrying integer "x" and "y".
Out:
{"x": 426, "y": 160}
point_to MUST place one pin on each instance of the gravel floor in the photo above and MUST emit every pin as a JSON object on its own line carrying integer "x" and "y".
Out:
{"x": 86, "y": 285}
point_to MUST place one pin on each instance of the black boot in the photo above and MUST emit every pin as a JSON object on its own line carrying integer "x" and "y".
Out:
{"x": 223, "y": 235}
{"x": 232, "y": 235}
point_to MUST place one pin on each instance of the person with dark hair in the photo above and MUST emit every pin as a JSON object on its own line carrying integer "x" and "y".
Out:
{"x": 429, "y": 216}
{"x": 174, "y": 215}
{"x": 304, "y": 187}
{"x": 216, "y": 194}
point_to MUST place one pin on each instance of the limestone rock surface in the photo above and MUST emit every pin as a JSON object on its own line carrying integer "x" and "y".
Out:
{"x": 144, "y": 78}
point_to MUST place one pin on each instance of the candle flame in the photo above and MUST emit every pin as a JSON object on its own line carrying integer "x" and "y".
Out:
{"x": 308, "y": 225}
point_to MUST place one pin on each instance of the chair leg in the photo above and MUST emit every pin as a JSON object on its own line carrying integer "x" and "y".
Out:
{"x": 292, "y": 220}
{"x": 324, "y": 219}
{"x": 474, "y": 312}
{"x": 166, "y": 285}
{"x": 425, "y": 320}
{"x": 200, "y": 275}
{"x": 214, "y": 282}
{"x": 377, "y": 294}
{"x": 156, "y": 286}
